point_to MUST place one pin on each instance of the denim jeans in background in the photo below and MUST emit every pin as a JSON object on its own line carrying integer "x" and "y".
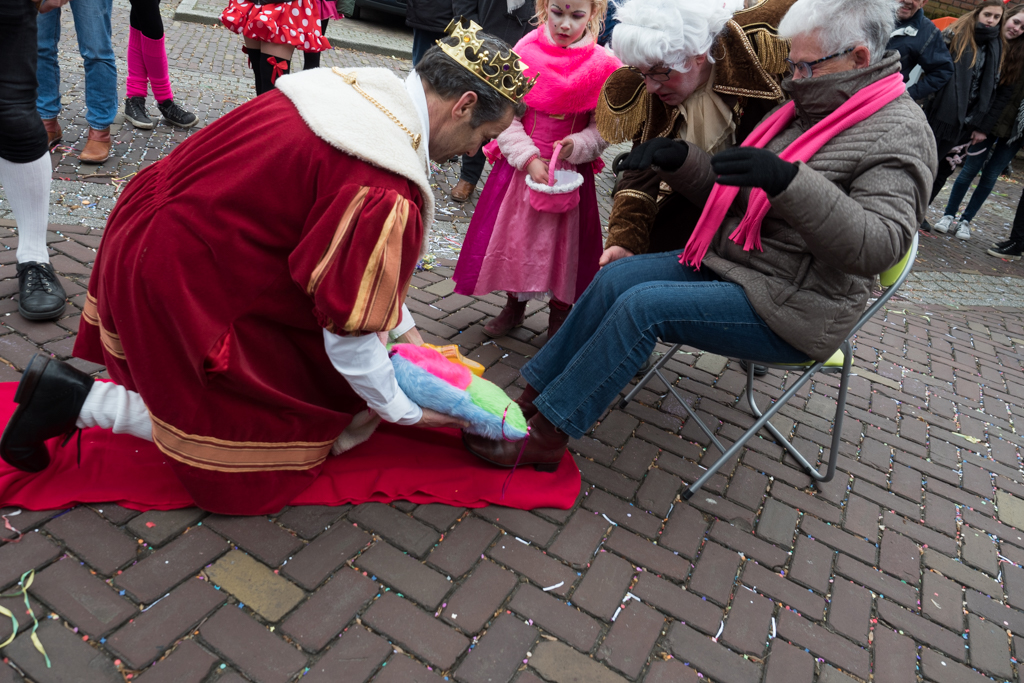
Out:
{"x": 92, "y": 24}
{"x": 613, "y": 328}
{"x": 990, "y": 165}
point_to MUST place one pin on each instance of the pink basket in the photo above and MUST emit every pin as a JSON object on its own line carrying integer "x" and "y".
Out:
{"x": 561, "y": 194}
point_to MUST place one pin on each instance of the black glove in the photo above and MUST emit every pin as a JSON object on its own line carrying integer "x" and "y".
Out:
{"x": 752, "y": 167}
{"x": 668, "y": 155}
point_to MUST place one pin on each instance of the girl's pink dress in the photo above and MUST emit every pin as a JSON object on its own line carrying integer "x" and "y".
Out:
{"x": 509, "y": 245}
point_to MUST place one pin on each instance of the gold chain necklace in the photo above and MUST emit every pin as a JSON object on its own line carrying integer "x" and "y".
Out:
{"x": 351, "y": 80}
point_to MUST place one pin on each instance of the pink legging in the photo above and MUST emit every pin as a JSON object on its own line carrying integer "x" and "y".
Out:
{"x": 147, "y": 65}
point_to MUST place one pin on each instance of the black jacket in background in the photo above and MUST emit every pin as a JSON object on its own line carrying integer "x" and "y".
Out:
{"x": 926, "y": 49}
{"x": 429, "y": 15}
{"x": 494, "y": 17}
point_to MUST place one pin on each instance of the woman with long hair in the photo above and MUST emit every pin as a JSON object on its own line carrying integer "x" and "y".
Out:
{"x": 999, "y": 135}
{"x": 976, "y": 45}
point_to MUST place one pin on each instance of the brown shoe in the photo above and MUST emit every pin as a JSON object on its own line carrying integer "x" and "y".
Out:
{"x": 544, "y": 447}
{"x": 462, "y": 191}
{"x": 97, "y": 147}
{"x": 53, "y": 132}
{"x": 510, "y": 317}
{"x": 557, "y": 313}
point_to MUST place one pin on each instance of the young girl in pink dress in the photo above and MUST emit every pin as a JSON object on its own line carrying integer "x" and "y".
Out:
{"x": 510, "y": 246}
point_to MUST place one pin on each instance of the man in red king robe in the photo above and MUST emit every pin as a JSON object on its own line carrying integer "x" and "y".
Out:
{"x": 239, "y": 294}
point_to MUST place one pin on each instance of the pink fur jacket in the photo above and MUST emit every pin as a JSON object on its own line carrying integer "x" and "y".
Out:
{"x": 570, "y": 83}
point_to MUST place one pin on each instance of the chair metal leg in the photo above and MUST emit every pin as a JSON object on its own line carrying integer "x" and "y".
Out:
{"x": 761, "y": 422}
{"x": 650, "y": 374}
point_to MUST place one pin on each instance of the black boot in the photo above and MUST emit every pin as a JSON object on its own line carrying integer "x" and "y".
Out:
{"x": 255, "y": 60}
{"x": 40, "y": 294}
{"x": 49, "y": 397}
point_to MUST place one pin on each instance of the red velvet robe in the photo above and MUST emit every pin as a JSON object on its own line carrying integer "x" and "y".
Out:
{"x": 218, "y": 270}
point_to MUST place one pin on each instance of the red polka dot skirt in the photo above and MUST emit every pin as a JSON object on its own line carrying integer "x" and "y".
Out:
{"x": 295, "y": 23}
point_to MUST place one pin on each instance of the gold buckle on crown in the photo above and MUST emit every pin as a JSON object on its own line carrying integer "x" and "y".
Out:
{"x": 503, "y": 72}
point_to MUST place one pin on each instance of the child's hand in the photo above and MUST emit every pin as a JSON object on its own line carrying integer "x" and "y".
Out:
{"x": 538, "y": 170}
{"x": 612, "y": 254}
{"x": 567, "y": 147}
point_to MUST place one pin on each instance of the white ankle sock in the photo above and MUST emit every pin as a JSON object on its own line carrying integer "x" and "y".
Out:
{"x": 111, "y": 406}
{"x": 27, "y": 187}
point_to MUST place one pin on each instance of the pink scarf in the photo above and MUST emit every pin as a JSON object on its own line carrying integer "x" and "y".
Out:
{"x": 861, "y": 106}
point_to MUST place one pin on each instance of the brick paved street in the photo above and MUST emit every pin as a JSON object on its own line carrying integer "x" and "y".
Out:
{"x": 909, "y": 565}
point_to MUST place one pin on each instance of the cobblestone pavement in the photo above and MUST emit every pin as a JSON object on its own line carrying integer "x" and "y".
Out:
{"x": 907, "y": 566}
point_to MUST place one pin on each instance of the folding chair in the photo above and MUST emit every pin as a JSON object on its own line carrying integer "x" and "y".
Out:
{"x": 841, "y": 362}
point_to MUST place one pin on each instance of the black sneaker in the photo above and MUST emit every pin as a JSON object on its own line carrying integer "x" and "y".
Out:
{"x": 926, "y": 226}
{"x": 1010, "y": 251}
{"x": 135, "y": 112}
{"x": 1002, "y": 245}
{"x": 176, "y": 115}
{"x": 40, "y": 294}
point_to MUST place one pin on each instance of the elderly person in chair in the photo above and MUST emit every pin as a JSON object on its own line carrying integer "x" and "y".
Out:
{"x": 825, "y": 194}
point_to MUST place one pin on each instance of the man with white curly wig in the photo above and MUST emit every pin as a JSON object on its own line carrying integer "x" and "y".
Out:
{"x": 698, "y": 70}
{"x": 826, "y": 192}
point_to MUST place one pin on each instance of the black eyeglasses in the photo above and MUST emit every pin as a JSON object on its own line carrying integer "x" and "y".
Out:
{"x": 806, "y": 69}
{"x": 659, "y": 76}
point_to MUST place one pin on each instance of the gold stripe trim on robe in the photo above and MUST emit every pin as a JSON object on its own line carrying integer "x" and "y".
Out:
{"x": 344, "y": 225}
{"x": 111, "y": 342}
{"x": 377, "y": 301}
{"x": 219, "y": 455}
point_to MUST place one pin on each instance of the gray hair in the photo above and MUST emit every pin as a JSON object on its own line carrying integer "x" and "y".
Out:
{"x": 655, "y": 32}
{"x": 843, "y": 24}
{"x": 450, "y": 80}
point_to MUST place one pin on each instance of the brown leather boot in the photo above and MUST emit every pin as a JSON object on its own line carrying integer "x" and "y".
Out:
{"x": 510, "y": 317}
{"x": 97, "y": 147}
{"x": 557, "y": 313}
{"x": 544, "y": 447}
{"x": 53, "y": 132}
{"x": 525, "y": 402}
{"x": 462, "y": 191}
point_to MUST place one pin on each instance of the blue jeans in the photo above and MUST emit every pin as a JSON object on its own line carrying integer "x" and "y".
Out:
{"x": 92, "y": 24}
{"x": 613, "y": 328}
{"x": 990, "y": 166}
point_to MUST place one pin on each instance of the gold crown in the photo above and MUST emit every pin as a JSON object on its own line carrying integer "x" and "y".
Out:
{"x": 504, "y": 72}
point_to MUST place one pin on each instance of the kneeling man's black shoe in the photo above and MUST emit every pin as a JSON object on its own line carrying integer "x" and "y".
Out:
{"x": 40, "y": 294}
{"x": 49, "y": 397}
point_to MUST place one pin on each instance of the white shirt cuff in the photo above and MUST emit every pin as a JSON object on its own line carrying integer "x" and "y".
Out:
{"x": 406, "y": 324}
{"x": 363, "y": 362}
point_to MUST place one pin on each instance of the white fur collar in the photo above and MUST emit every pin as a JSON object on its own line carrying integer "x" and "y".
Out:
{"x": 347, "y": 121}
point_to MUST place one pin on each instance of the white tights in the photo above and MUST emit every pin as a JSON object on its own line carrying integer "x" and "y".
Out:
{"x": 27, "y": 187}
{"x": 111, "y": 406}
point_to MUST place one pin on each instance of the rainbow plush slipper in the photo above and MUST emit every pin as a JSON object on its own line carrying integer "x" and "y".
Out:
{"x": 433, "y": 381}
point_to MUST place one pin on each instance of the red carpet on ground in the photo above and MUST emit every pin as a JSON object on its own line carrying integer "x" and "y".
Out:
{"x": 397, "y": 463}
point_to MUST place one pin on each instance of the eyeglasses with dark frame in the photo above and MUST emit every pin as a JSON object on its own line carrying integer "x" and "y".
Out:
{"x": 658, "y": 76}
{"x": 806, "y": 69}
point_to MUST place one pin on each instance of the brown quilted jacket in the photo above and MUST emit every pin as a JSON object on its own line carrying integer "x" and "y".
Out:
{"x": 849, "y": 214}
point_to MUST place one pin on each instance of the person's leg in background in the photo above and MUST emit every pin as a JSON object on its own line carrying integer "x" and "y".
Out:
{"x": 48, "y": 74}
{"x": 25, "y": 170}
{"x": 423, "y": 41}
{"x": 311, "y": 60}
{"x": 1012, "y": 248}
{"x": 148, "y": 29}
{"x": 972, "y": 166}
{"x": 1003, "y": 153}
{"x": 92, "y": 23}
{"x": 472, "y": 169}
